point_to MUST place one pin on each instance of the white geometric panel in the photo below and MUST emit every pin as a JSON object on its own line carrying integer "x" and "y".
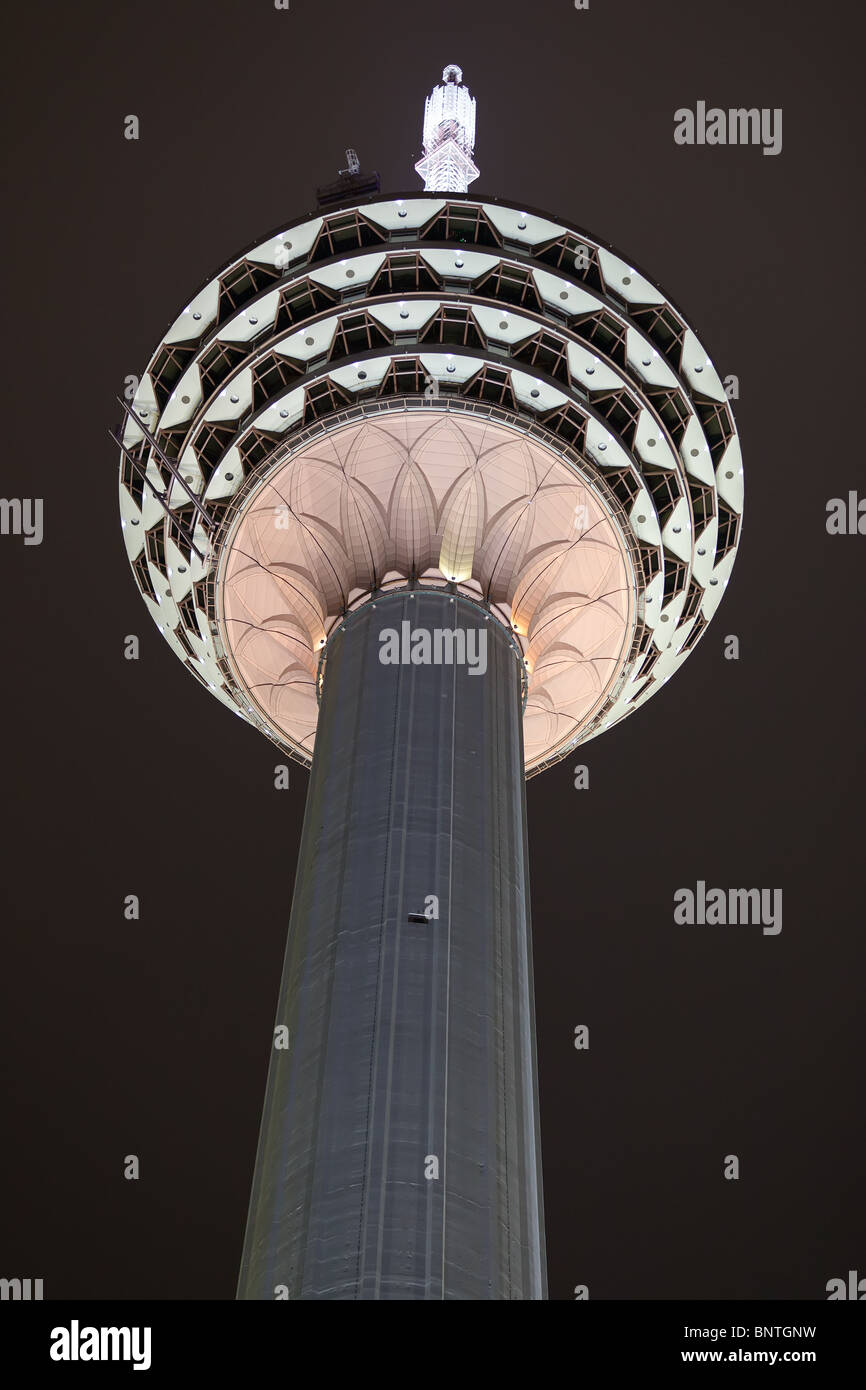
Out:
{"x": 625, "y": 281}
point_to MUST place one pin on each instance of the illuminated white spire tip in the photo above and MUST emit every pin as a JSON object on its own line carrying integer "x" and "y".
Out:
{"x": 447, "y": 165}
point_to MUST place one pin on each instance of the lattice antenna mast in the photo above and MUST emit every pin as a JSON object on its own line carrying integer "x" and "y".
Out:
{"x": 447, "y": 165}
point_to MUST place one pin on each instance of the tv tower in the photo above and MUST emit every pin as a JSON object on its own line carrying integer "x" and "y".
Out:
{"x": 430, "y": 491}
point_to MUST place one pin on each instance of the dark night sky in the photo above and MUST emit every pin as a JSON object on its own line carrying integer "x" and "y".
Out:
{"x": 122, "y": 777}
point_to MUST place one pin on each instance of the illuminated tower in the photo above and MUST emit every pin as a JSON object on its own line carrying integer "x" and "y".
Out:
{"x": 428, "y": 490}
{"x": 449, "y": 136}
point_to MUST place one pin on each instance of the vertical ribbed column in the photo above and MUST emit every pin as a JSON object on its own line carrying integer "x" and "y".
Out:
{"x": 399, "y": 1151}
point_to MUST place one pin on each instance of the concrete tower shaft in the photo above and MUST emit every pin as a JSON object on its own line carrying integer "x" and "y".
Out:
{"x": 399, "y": 1150}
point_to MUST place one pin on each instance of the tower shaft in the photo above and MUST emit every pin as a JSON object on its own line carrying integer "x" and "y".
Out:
{"x": 399, "y": 1151}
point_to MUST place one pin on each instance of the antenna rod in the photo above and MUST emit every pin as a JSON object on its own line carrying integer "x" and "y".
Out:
{"x": 169, "y": 463}
{"x": 160, "y": 497}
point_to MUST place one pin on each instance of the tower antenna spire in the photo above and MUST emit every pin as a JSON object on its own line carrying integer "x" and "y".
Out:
{"x": 447, "y": 165}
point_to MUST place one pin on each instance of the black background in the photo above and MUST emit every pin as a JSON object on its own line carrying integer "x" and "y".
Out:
{"x": 120, "y": 777}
